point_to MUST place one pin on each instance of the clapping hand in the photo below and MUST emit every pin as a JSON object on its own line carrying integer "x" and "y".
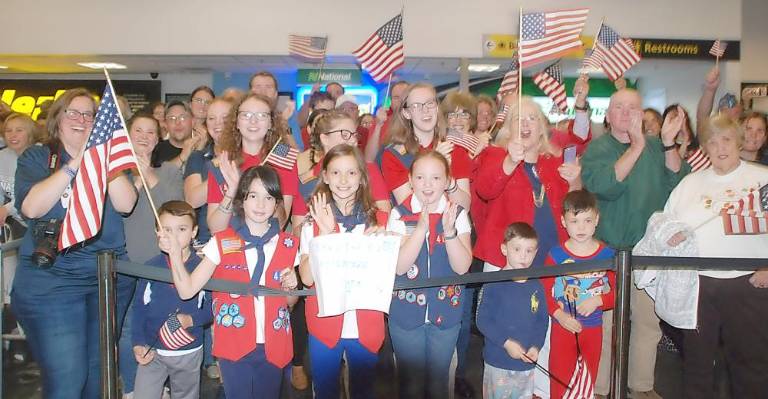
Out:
{"x": 673, "y": 124}
{"x": 230, "y": 172}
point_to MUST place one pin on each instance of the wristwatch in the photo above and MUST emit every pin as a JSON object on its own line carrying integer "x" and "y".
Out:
{"x": 584, "y": 108}
{"x": 673, "y": 146}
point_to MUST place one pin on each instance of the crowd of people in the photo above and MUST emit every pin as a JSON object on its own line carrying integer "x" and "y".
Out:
{"x": 466, "y": 194}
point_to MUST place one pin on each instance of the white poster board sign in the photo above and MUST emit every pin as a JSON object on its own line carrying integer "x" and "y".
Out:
{"x": 353, "y": 271}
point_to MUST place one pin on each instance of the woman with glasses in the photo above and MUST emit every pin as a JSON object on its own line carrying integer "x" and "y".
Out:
{"x": 55, "y": 294}
{"x": 415, "y": 128}
{"x": 250, "y": 134}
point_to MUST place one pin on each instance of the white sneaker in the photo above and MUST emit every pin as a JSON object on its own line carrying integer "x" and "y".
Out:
{"x": 128, "y": 395}
{"x": 166, "y": 393}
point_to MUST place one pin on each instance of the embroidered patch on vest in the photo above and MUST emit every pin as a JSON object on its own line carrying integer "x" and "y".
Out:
{"x": 276, "y": 275}
{"x": 288, "y": 242}
{"x": 421, "y": 299}
{"x": 534, "y": 302}
{"x": 283, "y": 319}
{"x": 413, "y": 272}
{"x": 230, "y": 245}
{"x": 410, "y": 297}
{"x": 401, "y": 294}
{"x": 229, "y": 315}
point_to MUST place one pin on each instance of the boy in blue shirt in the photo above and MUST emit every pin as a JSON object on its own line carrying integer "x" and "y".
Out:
{"x": 167, "y": 331}
{"x": 512, "y": 315}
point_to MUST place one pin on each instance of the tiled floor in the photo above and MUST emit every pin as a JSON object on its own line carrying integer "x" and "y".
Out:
{"x": 23, "y": 381}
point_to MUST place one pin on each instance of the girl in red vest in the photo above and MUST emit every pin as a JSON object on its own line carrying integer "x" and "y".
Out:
{"x": 252, "y": 334}
{"x": 424, "y": 323}
{"x": 414, "y": 128}
{"x": 251, "y": 132}
{"x": 342, "y": 203}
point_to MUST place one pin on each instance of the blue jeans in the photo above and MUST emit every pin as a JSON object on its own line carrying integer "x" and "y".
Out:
{"x": 326, "y": 366}
{"x": 423, "y": 356}
{"x": 251, "y": 377}
{"x": 126, "y": 360}
{"x": 63, "y": 333}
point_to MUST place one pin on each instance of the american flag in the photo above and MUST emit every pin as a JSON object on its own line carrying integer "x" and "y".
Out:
{"x": 549, "y": 35}
{"x": 383, "y": 52}
{"x": 172, "y": 335}
{"x": 307, "y": 48}
{"x": 502, "y": 115}
{"x": 510, "y": 80}
{"x": 467, "y": 141}
{"x": 580, "y": 386}
{"x": 282, "y": 156}
{"x": 550, "y": 81}
{"x": 718, "y": 48}
{"x": 618, "y": 54}
{"x": 698, "y": 160}
{"x": 749, "y": 215}
{"x": 592, "y": 62}
{"x": 107, "y": 152}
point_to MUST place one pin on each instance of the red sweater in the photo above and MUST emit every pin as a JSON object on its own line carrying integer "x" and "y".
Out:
{"x": 509, "y": 199}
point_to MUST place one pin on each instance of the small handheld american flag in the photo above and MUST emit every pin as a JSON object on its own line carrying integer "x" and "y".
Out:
{"x": 580, "y": 386}
{"x": 282, "y": 156}
{"x": 749, "y": 215}
{"x": 550, "y": 81}
{"x": 307, "y": 48}
{"x": 173, "y": 335}
{"x": 467, "y": 141}
{"x": 502, "y": 115}
{"x": 550, "y": 35}
{"x": 718, "y": 48}
{"x": 510, "y": 80}
{"x": 383, "y": 52}
{"x": 617, "y": 54}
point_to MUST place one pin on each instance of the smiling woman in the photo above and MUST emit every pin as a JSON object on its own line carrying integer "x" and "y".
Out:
{"x": 56, "y": 301}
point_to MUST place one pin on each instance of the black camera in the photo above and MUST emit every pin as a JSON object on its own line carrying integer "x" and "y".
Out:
{"x": 46, "y": 235}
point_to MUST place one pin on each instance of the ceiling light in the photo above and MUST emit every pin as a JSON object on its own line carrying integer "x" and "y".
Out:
{"x": 102, "y": 65}
{"x": 483, "y": 67}
{"x": 3, "y": 67}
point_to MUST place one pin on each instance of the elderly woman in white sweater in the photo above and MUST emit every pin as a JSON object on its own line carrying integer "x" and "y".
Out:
{"x": 732, "y": 305}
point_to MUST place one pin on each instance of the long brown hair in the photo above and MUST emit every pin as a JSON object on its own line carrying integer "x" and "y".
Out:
{"x": 324, "y": 124}
{"x": 401, "y": 129}
{"x": 232, "y": 140}
{"x": 363, "y": 195}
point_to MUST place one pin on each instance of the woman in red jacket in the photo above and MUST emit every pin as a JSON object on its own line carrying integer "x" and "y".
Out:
{"x": 523, "y": 180}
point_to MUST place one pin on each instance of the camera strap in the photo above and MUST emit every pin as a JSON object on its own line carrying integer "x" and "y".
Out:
{"x": 54, "y": 156}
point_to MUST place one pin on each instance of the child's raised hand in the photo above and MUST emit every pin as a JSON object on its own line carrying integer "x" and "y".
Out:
{"x": 138, "y": 353}
{"x": 532, "y": 355}
{"x": 567, "y": 321}
{"x": 514, "y": 350}
{"x": 230, "y": 172}
{"x": 322, "y": 214}
{"x": 589, "y": 305}
{"x": 288, "y": 279}
{"x": 449, "y": 219}
{"x": 168, "y": 243}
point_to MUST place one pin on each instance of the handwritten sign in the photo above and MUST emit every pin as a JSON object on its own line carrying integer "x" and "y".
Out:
{"x": 353, "y": 272}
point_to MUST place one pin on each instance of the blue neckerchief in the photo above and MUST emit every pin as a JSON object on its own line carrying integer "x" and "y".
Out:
{"x": 353, "y": 219}
{"x": 258, "y": 242}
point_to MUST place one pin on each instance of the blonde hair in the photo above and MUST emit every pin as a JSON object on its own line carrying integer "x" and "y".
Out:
{"x": 510, "y": 123}
{"x": 455, "y": 100}
{"x": 717, "y": 125}
{"x": 401, "y": 129}
{"x": 36, "y": 134}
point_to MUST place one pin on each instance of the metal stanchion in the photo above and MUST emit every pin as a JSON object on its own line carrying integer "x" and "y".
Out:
{"x": 107, "y": 324}
{"x": 620, "y": 359}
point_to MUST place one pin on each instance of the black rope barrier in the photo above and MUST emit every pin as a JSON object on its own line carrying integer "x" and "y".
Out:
{"x": 638, "y": 262}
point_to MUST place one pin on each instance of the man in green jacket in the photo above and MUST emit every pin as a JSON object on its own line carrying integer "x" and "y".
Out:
{"x": 632, "y": 175}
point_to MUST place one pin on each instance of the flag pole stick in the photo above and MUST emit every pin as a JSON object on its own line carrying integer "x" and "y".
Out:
{"x": 519, "y": 78}
{"x": 263, "y": 161}
{"x": 138, "y": 168}
{"x": 322, "y": 63}
{"x": 389, "y": 84}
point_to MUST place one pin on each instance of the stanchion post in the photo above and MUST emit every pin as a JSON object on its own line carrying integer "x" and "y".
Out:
{"x": 620, "y": 358}
{"x": 107, "y": 324}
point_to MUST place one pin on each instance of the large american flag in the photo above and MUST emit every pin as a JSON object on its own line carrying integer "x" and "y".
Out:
{"x": 550, "y": 35}
{"x": 550, "y": 81}
{"x": 618, "y": 54}
{"x": 383, "y": 52}
{"x": 107, "y": 152}
{"x": 307, "y": 48}
{"x": 282, "y": 156}
{"x": 718, "y": 48}
{"x": 510, "y": 80}
{"x": 173, "y": 335}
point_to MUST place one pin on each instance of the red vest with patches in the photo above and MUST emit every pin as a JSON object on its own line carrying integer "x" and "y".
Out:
{"x": 234, "y": 325}
{"x": 370, "y": 323}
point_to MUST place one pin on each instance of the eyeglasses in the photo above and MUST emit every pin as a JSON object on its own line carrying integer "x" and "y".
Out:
{"x": 177, "y": 118}
{"x": 201, "y": 101}
{"x": 74, "y": 115}
{"x": 458, "y": 115}
{"x": 345, "y": 134}
{"x": 418, "y": 107}
{"x": 253, "y": 116}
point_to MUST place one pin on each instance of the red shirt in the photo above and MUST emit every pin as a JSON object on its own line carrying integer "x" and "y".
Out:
{"x": 396, "y": 174}
{"x": 289, "y": 180}
{"x": 561, "y": 139}
{"x": 378, "y": 189}
{"x": 509, "y": 199}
